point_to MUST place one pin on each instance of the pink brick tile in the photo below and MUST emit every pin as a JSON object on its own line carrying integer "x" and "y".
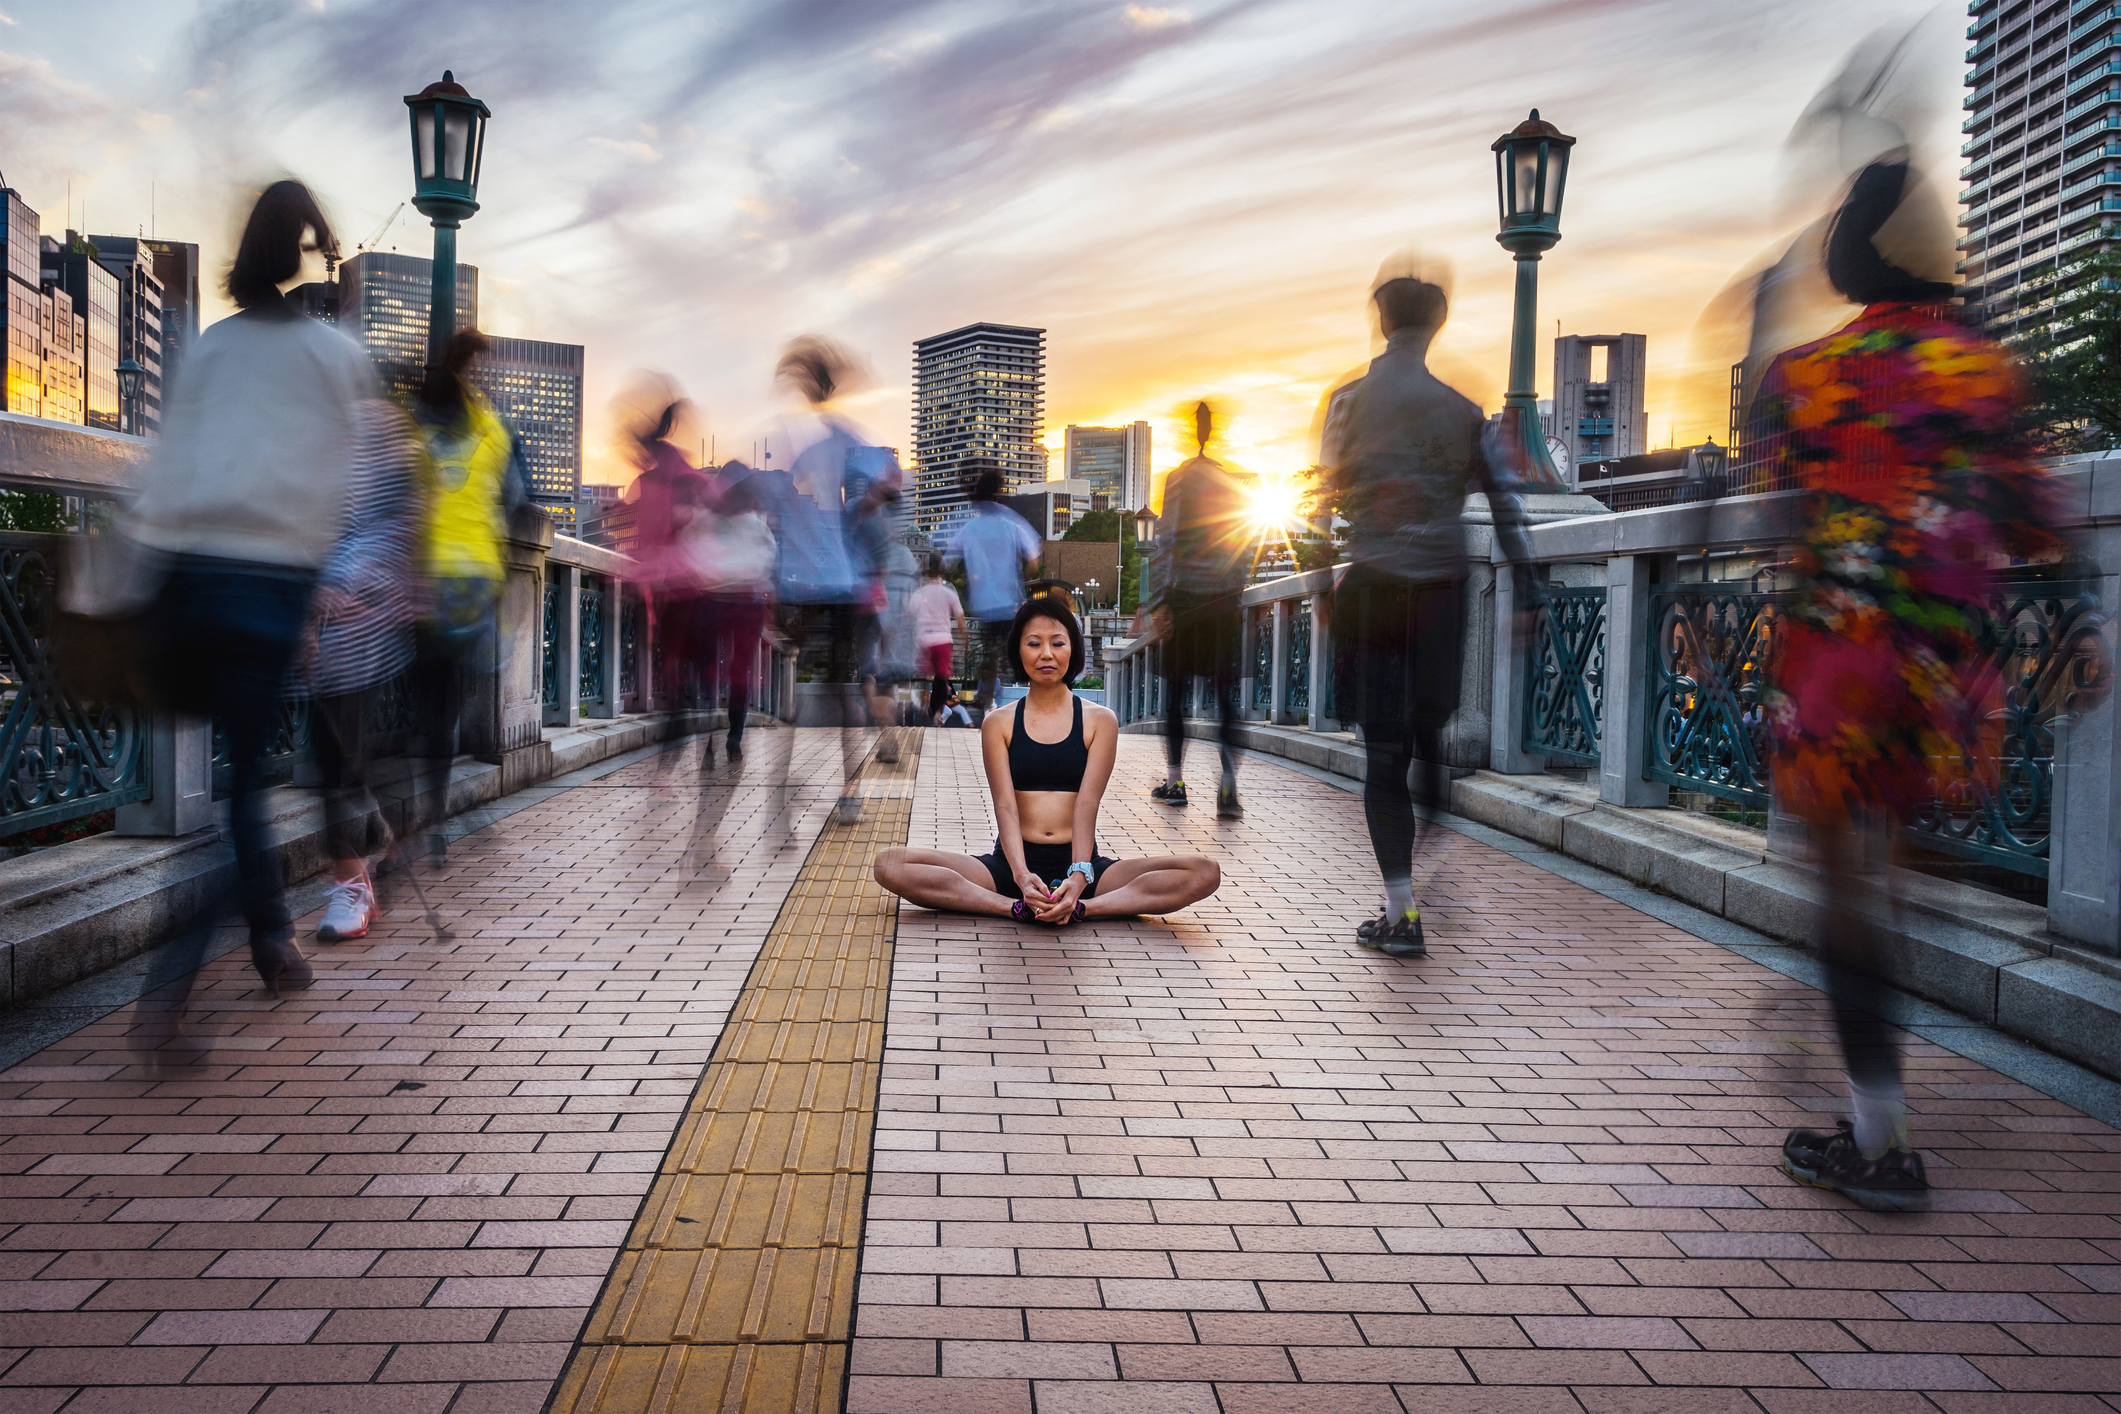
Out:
{"x": 1164, "y": 1396}
{"x": 284, "y": 1327}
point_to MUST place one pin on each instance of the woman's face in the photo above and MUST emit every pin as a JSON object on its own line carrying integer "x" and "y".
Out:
{"x": 1046, "y": 650}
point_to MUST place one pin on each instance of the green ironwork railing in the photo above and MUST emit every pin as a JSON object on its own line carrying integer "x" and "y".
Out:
{"x": 1565, "y": 688}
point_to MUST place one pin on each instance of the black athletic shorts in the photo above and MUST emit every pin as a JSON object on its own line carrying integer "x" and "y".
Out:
{"x": 1049, "y": 861}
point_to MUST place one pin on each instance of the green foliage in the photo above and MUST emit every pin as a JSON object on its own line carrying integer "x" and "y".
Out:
{"x": 34, "y": 510}
{"x": 2074, "y": 358}
{"x": 1104, "y": 527}
{"x": 1096, "y": 525}
{"x": 1316, "y": 554}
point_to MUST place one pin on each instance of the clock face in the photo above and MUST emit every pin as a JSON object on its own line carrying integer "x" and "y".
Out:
{"x": 1558, "y": 450}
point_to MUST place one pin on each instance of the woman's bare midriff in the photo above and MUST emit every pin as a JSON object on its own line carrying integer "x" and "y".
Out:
{"x": 1046, "y": 816}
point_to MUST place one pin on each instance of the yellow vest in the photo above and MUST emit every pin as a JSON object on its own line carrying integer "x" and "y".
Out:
{"x": 466, "y": 465}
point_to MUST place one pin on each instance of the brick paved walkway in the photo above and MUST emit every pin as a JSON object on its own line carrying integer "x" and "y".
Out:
{"x": 1235, "y": 1163}
{"x": 1224, "y": 1161}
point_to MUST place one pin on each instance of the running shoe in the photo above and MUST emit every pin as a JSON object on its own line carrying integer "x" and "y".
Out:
{"x": 887, "y": 749}
{"x": 1172, "y": 794}
{"x": 1394, "y": 937}
{"x": 1226, "y": 803}
{"x": 348, "y": 909}
{"x": 1891, "y": 1183}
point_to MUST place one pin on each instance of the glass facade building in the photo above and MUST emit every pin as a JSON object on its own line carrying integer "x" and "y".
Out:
{"x": 979, "y": 392}
{"x": 384, "y": 300}
{"x": 23, "y": 313}
{"x": 1113, "y": 460}
{"x": 73, "y": 267}
{"x": 2043, "y": 150}
{"x": 536, "y": 387}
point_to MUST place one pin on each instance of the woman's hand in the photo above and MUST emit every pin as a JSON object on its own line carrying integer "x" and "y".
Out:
{"x": 1061, "y": 909}
{"x": 1034, "y": 889}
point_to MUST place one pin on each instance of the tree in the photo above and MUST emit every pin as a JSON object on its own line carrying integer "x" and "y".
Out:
{"x": 2074, "y": 358}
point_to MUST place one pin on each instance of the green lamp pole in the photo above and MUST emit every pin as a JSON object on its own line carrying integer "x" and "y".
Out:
{"x": 448, "y": 138}
{"x": 1531, "y": 168}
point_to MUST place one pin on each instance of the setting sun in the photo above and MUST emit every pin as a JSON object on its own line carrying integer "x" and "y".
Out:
{"x": 1276, "y": 505}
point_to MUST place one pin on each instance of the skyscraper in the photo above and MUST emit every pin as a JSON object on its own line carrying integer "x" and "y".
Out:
{"x": 72, "y": 266}
{"x": 979, "y": 392}
{"x": 1114, "y": 460}
{"x": 175, "y": 266}
{"x": 1599, "y": 403}
{"x": 23, "y": 390}
{"x": 140, "y": 309}
{"x": 2042, "y": 177}
{"x": 384, "y": 300}
{"x": 536, "y": 387}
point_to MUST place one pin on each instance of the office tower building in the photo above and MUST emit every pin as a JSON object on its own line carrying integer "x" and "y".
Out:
{"x": 65, "y": 345}
{"x": 175, "y": 268}
{"x": 1598, "y": 396}
{"x": 979, "y": 393}
{"x": 1114, "y": 460}
{"x": 536, "y": 387}
{"x": 383, "y": 302}
{"x": 25, "y": 309}
{"x": 72, "y": 266}
{"x": 2043, "y": 151}
{"x": 140, "y": 315}
{"x": 1053, "y": 506}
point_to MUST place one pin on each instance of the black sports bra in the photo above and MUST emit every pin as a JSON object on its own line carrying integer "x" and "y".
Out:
{"x": 1048, "y": 765}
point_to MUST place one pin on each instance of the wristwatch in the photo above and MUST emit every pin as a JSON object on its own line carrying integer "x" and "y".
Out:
{"x": 1084, "y": 868}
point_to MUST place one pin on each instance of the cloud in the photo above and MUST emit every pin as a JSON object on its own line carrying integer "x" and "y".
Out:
{"x": 1146, "y": 17}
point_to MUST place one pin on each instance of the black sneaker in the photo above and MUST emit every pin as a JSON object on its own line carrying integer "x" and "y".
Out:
{"x": 1226, "y": 803}
{"x": 1172, "y": 794}
{"x": 1394, "y": 937}
{"x": 1892, "y": 1183}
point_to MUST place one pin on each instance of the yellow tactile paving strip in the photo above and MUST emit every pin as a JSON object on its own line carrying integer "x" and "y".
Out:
{"x": 735, "y": 1290}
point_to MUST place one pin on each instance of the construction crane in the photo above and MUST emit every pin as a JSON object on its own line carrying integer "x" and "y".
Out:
{"x": 373, "y": 241}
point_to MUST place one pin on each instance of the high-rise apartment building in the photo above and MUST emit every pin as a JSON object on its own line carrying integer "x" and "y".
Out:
{"x": 2043, "y": 149}
{"x": 979, "y": 393}
{"x": 1599, "y": 402}
{"x": 174, "y": 267}
{"x": 1114, "y": 460}
{"x": 383, "y": 301}
{"x": 23, "y": 390}
{"x": 72, "y": 266}
{"x": 536, "y": 387}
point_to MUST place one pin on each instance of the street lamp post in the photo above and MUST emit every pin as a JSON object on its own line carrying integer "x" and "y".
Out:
{"x": 130, "y": 376}
{"x": 448, "y": 139}
{"x": 1091, "y": 585}
{"x": 1531, "y": 168}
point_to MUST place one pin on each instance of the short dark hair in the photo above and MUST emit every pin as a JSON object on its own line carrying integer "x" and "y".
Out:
{"x": 1046, "y": 606}
{"x": 935, "y": 564}
{"x": 1413, "y": 304}
{"x": 983, "y": 480}
{"x": 270, "y": 252}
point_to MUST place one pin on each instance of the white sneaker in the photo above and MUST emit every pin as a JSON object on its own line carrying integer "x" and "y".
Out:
{"x": 348, "y": 909}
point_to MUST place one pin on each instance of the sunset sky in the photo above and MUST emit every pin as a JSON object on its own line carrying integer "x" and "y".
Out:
{"x": 1190, "y": 198}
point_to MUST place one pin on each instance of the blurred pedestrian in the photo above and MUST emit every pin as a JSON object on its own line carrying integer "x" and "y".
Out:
{"x": 731, "y": 551}
{"x": 1401, "y": 452}
{"x": 477, "y": 476}
{"x": 361, "y": 620}
{"x": 1207, "y": 542}
{"x": 937, "y": 612}
{"x": 246, "y": 495}
{"x": 997, "y": 548}
{"x": 1903, "y": 431}
{"x": 672, "y": 503}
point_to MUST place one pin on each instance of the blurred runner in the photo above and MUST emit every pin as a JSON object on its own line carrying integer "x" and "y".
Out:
{"x": 477, "y": 476}
{"x": 1401, "y": 451}
{"x": 1207, "y": 543}
{"x": 245, "y": 495}
{"x": 937, "y": 612}
{"x": 362, "y": 616}
{"x": 997, "y": 548}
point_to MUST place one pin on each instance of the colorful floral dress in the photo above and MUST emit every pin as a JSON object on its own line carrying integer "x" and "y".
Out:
{"x": 1904, "y": 431}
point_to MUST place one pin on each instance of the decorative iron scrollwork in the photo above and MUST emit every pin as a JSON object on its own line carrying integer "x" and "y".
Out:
{"x": 1707, "y": 726}
{"x": 1565, "y": 689}
{"x": 589, "y": 676}
{"x": 1300, "y": 656}
{"x": 1263, "y": 658}
{"x": 551, "y": 641}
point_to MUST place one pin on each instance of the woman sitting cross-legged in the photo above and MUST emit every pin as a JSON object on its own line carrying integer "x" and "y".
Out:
{"x": 1048, "y": 760}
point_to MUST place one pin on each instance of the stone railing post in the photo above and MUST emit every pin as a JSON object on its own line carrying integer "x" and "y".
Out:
{"x": 2084, "y": 850}
{"x": 181, "y": 774}
{"x": 1278, "y": 685}
{"x": 1621, "y": 732}
{"x": 504, "y": 704}
{"x": 1506, "y": 751}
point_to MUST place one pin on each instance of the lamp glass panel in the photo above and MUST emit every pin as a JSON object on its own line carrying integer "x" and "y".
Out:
{"x": 1524, "y": 157}
{"x": 456, "y": 144}
{"x": 1557, "y": 176}
{"x": 423, "y": 140}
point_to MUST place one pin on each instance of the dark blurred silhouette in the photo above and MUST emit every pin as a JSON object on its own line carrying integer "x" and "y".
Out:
{"x": 1207, "y": 541}
{"x": 1401, "y": 452}
{"x": 997, "y": 548}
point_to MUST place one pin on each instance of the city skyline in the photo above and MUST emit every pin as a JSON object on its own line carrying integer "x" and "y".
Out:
{"x": 1193, "y": 200}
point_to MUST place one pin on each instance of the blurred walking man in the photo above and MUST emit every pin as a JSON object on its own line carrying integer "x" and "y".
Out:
{"x": 1401, "y": 450}
{"x": 998, "y": 548}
